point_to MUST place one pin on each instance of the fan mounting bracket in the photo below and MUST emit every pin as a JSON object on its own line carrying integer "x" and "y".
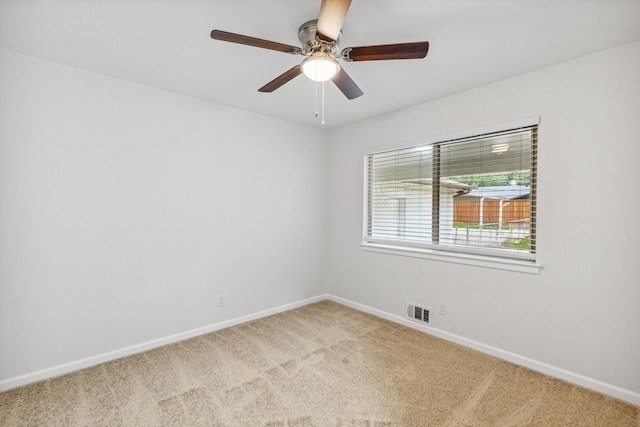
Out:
{"x": 345, "y": 55}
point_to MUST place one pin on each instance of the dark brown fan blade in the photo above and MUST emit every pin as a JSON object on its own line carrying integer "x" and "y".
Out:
{"x": 281, "y": 79}
{"x": 388, "y": 51}
{"x": 331, "y": 18}
{"x": 252, "y": 41}
{"x": 346, "y": 85}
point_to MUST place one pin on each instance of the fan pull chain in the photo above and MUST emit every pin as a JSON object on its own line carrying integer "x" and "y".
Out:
{"x": 323, "y": 122}
{"x": 316, "y": 99}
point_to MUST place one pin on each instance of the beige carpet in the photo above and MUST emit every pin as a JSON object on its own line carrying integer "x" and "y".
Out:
{"x": 320, "y": 365}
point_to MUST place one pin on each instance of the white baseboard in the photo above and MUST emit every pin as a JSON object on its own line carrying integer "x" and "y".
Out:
{"x": 149, "y": 345}
{"x": 553, "y": 371}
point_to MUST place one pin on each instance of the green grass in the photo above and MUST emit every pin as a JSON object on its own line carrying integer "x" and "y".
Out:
{"x": 524, "y": 243}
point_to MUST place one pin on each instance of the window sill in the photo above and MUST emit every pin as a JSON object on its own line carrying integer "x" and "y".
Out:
{"x": 529, "y": 267}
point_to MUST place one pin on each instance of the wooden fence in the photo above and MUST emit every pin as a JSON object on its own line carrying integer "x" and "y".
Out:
{"x": 516, "y": 212}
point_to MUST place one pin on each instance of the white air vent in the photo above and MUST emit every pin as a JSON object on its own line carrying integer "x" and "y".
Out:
{"x": 418, "y": 313}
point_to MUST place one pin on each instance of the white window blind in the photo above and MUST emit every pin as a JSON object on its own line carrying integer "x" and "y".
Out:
{"x": 473, "y": 195}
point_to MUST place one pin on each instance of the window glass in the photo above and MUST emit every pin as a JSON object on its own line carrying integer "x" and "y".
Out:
{"x": 474, "y": 195}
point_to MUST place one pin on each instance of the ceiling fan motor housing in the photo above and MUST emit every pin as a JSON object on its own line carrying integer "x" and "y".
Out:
{"x": 311, "y": 43}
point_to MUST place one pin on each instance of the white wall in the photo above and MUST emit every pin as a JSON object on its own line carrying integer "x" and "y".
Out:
{"x": 126, "y": 210}
{"x": 581, "y": 313}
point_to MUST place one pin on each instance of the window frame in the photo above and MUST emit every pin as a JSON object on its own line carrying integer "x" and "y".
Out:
{"x": 482, "y": 257}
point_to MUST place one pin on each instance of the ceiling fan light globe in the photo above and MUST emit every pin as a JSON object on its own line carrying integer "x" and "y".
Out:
{"x": 320, "y": 69}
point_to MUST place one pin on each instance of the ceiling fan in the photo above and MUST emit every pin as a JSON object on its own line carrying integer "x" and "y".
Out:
{"x": 320, "y": 39}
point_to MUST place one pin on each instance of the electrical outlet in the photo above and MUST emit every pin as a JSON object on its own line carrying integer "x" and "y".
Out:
{"x": 443, "y": 307}
{"x": 220, "y": 300}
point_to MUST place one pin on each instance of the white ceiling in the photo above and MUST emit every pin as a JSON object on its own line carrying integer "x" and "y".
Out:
{"x": 166, "y": 44}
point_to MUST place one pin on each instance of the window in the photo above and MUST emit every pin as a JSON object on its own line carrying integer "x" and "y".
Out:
{"x": 473, "y": 195}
